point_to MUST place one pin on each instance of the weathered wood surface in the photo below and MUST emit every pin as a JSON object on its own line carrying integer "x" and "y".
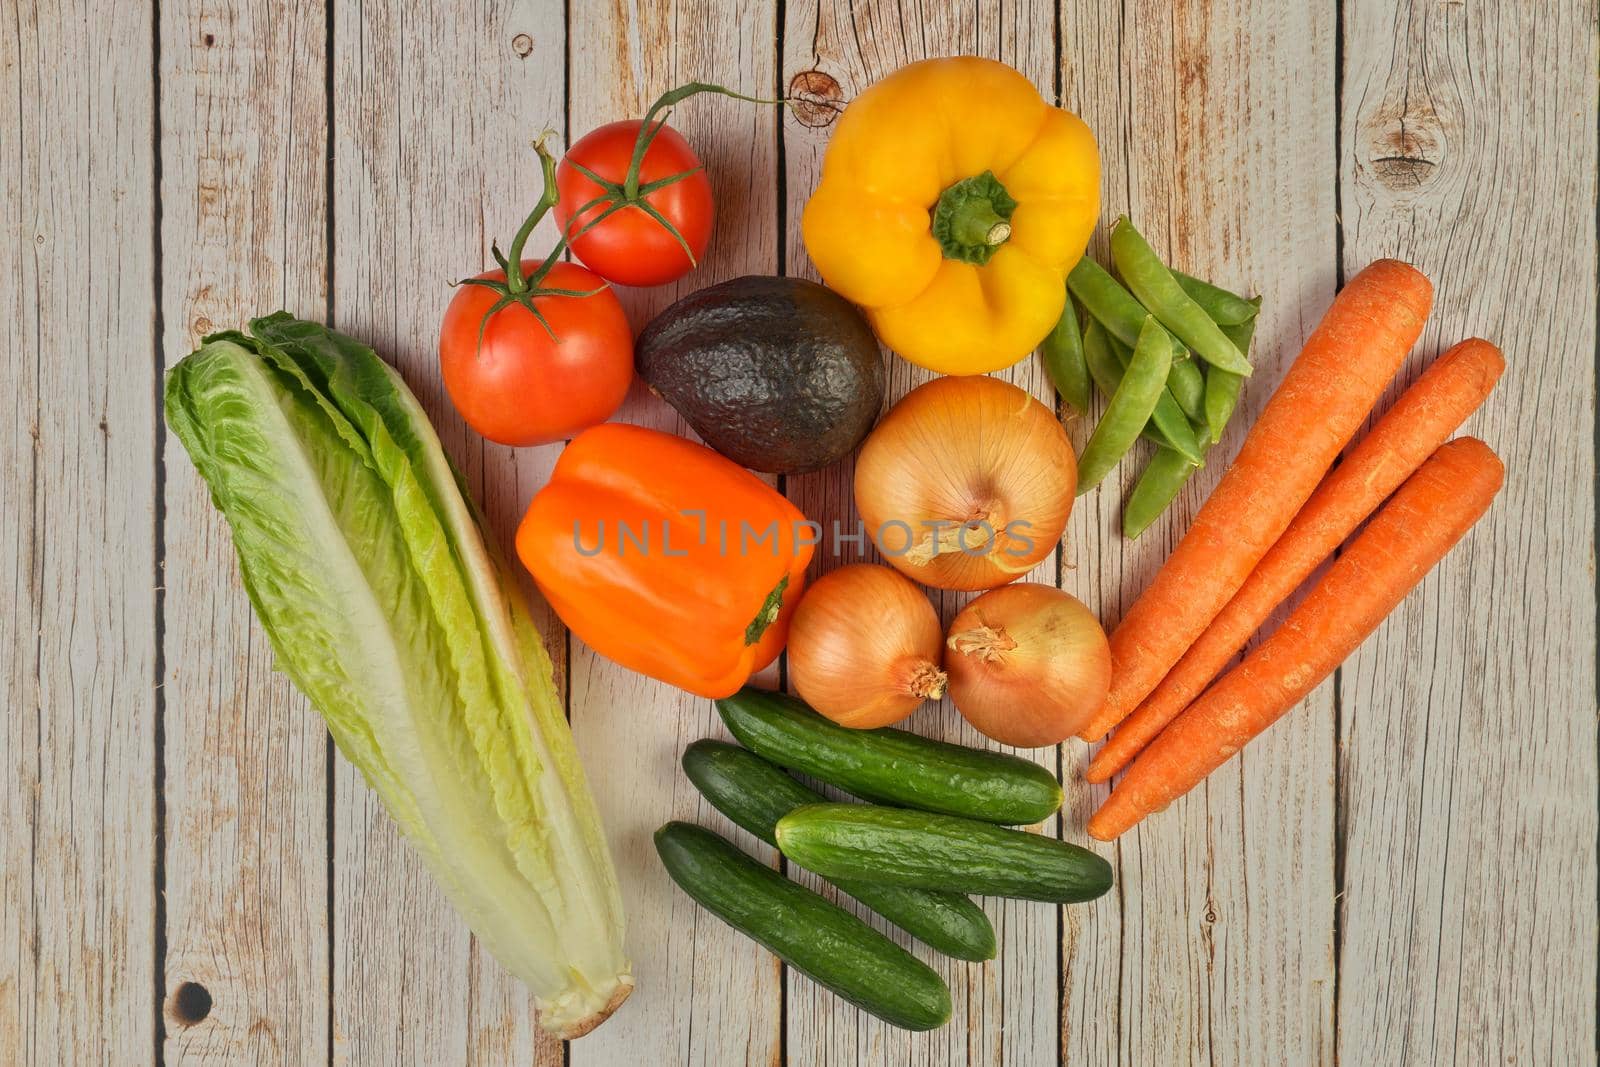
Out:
{"x": 245, "y": 760}
{"x": 79, "y": 493}
{"x": 1403, "y": 871}
{"x": 1467, "y": 725}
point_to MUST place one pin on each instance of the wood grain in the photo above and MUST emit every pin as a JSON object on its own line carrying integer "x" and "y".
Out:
{"x": 1467, "y": 770}
{"x": 434, "y": 110}
{"x": 1403, "y": 871}
{"x": 705, "y": 994}
{"x": 246, "y": 757}
{"x": 1005, "y": 1012}
{"x": 78, "y": 602}
{"x": 1209, "y": 136}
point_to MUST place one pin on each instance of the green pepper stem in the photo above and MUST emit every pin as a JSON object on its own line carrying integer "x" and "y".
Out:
{"x": 972, "y": 218}
{"x": 977, "y": 223}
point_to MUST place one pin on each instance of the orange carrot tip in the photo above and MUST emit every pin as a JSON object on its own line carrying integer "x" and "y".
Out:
{"x": 1426, "y": 517}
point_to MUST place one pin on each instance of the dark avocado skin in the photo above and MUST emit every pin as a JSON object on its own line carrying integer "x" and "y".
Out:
{"x": 778, "y": 374}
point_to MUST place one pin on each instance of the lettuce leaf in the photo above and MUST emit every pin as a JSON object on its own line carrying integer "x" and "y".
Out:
{"x": 368, "y": 567}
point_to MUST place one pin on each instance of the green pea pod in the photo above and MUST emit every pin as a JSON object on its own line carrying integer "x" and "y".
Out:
{"x": 1188, "y": 387}
{"x": 1171, "y": 424}
{"x": 1225, "y": 308}
{"x": 1158, "y": 484}
{"x": 1155, "y": 287}
{"x": 1104, "y": 367}
{"x": 1063, "y": 359}
{"x": 1105, "y": 299}
{"x": 1222, "y": 388}
{"x": 1130, "y": 408}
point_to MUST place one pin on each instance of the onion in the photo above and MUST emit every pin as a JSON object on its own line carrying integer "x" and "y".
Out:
{"x": 966, "y": 483}
{"x": 864, "y": 647}
{"x": 1028, "y": 665}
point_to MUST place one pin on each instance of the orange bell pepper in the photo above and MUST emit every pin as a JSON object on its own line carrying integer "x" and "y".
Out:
{"x": 666, "y": 557}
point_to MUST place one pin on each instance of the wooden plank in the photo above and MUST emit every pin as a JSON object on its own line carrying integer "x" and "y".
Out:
{"x": 705, "y": 994}
{"x": 246, "y": 757}
{"x": 1211, "y": 136}
{"x": 1006, "y": 1011}
{"x": 1467, "y": 777}
{"x": 434, "y": 109}
{"x": 78, "y": 604}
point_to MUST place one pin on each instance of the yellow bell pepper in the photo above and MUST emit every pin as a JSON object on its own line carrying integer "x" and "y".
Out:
{"x": 952, "y": 203}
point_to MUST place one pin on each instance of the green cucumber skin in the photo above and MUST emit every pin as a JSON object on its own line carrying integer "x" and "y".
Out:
{"x": 928, "y": 851}
{"x": 821, "y": 940}
{"x": 892, "y": 766}
{"x": 755, "y": 795}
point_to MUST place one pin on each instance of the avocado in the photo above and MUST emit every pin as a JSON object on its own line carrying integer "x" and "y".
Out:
{"x": 778, "y": 374}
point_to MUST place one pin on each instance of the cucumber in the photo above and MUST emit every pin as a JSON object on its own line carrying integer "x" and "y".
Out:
{"x": 891, "y": 766}
{"x": 916, "y": 848}
{"x": 821, "y": 940}
{"x": 755, "y": 795}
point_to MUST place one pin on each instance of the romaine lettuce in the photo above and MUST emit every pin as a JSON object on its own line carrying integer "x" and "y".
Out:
{"x": 368, "y": 567}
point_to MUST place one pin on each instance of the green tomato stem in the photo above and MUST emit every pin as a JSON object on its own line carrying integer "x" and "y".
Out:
{"x": 647, "y": 132}
{"x": 547, "y": 200}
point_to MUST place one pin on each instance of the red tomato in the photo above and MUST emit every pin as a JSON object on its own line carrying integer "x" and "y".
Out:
{"x": 523, "y": 387}
{"x": 630, "y": 247}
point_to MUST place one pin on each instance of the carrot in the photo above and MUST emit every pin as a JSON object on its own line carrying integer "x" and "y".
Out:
{"x": 1430, "y": 513}
{"x": 1326, "y": 395}
{"x": 1426, "y": 414}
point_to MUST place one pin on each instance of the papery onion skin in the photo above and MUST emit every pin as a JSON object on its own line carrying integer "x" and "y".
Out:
{"x": 966, "y": 451}
{"x": 864, "y": 647}
{"x": 1029, "y": 665}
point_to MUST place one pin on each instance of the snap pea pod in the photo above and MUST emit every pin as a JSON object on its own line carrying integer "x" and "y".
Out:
{"x": 1159, "y": 291}
{"x": 1225, "y": 308}
{"x": 1108, "y": 303}
{"x": 1105, "y": 298}
{"x": 1168, "y": 471}
{"x": 1063, "y": 359}
{"x": 1170, "y": 424}
{"x": 1130, "y": 408}
{"x": 1222, "y": 388}
{"x": 1106, "y": 369}
{"x": 1188, "y": 387}
{"x": 1158, "y": 484}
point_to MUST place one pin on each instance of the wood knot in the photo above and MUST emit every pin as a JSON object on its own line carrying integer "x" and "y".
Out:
{"x": 1405, "y": 145}
{"x": 209, "y": 39}
{"x": 201, "y": 326}
{"x": 816, "y": 98}
{"x": 522, "y": 45}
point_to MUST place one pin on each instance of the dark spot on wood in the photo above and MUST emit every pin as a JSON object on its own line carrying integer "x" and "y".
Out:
{"x": 210, "y": 39}
{"x": 104, "y": 428}
{"x": 522, "y": 45}
{"x": 191, "y": 1003}
{"x": 38, "y": 238}
{"x": 815, "y": 97}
